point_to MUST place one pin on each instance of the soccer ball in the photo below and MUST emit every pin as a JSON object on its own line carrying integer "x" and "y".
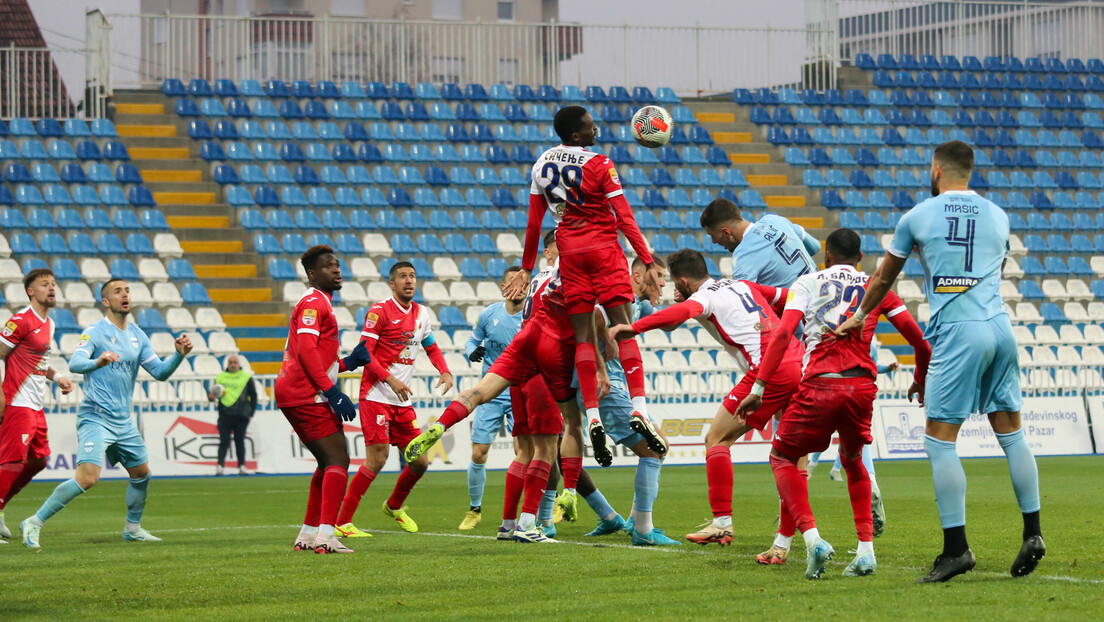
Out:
{"x": 651, "y": 126}
{"x": 217, "y": 391}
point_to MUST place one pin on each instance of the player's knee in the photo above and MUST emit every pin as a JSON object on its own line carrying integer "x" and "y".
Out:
{"x": 714, "y": 438}
{"x": 420, "y": 465}
{"x": 375, "y": 456}
{"x": 86, "y": 480}
{"x": 479, "y": 453}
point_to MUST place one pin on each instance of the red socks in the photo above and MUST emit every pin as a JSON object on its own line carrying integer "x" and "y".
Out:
{"x": 572, "y": 468}
{"x": 586, "y": 364}
{"x": 718, "y": 472}
{"x": 314, "y": 500}
{"x": 794, "y": 491}
{"x": 9, "y": 473}
{"x": 536, "y": 480}
{"x": 406, "y": 482}
{"x": 30, "y": 469}
{"x": 515, "y": 482}
{"x": 858, "y": 488}
{"x": 786, "y": 525}
{"x": 361, "y": 481}
{"x": 455, "y": 413}
{"x": 629, "y": 353}
{"x": 334, "y": 480}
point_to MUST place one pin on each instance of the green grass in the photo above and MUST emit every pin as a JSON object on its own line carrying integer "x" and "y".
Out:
{"x": 227, "y": 555}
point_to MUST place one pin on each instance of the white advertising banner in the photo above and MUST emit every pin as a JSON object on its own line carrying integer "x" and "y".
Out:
{"x": 1096, "y": 412}
{"x": 1053, "y": 426}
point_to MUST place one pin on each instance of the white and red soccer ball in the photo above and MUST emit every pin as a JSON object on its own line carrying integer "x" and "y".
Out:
{"x": 651, "y": 126}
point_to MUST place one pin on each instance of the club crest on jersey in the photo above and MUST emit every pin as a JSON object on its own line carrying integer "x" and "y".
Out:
{"x": 26, "y": 439}
{"x": 953, "y": 284}
{"x": 9, "y": 329}
{"x": 310, "y": 316}
{"x": 88, "y": 447}
{"x": 134, "y": 342}
{"x": 370, "y": 320}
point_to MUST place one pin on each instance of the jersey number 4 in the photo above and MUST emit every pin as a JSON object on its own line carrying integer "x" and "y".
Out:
{"x": 843, "y": 304}
{"x": 962, "y": 234}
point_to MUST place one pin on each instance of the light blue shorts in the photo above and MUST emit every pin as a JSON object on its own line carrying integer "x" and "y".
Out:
{"x": 974, "y": 368}
{"x": 95, "y": 441}
{"x": 488, "y": 421}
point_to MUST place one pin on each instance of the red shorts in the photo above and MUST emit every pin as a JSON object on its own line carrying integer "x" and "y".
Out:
{"x": 776, "y": 396}
{"x": 23, "y": 435}
{"x": 822, "y": 406}
{"x": 384, "y": 424}
{"x": 535, "y": 412}
{"x": 534, "y": 352}
{"x": 312, "y": 421}
{"x": 600, "y": 276}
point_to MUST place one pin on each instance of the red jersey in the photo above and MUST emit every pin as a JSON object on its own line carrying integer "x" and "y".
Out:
{"x": 393, "y": 334}
{"x": 545, "y": 304}
{"x": 584, "y": 192}
{"x": 826, "y": 299}
{"x": 738, "y": 314}
{"x": 310, "y": 354}
{"x": 29, "y": 336}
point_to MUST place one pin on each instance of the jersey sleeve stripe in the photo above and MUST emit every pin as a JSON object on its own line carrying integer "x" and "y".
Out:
{"x": 152, "y": 358}
{"x": 896, "y": 311}
{"x": 308, "y": 330}
{"x": 896, "y": 253}
{"x": 615, "y": 193}
{"x": 7, "y": 343}
{"x": 369, "y": 335}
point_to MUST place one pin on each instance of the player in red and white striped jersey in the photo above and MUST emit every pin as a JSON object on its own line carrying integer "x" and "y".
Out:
{"x": 837, "y": 392}
{"x": 25, "y": 347}
{"x": 741, "y": 316}
{"x": 394, "y": 330}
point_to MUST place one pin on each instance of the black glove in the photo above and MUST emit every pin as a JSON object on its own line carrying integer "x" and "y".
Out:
{"x": 340, "y": 403}
{"x": 477, "y": 354}
{"x": 358, "y": 358}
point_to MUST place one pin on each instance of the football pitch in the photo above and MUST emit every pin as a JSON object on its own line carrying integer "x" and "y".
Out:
{"x": 227, "y": 555}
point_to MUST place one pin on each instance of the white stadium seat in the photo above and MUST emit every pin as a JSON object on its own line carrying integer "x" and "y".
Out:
{"x": 1023, "y": 335}
{"x": 88, "y": 316}
{"x": 1046, "y": 335}
{"x": 10, "y": 272}
{"x": 655, "y": 339}
{"x": 508, "y": 245}
{"x": 166, "y": 294}
{"x": 461, "y": 292}
{"x": 1094, "y": 334}
{"x": 5, "y": 248}
{"x": 1096, "y": 311}
{"x": 94, "y": 270}
{"x": 443, "y": 340}
{"x": 1009, "y": 292}
{"x": 162, "y": 392}
{"x": 487, "y": 292}
{"x": 166, "y": 245}
{"x": 378, "y": 292}
{"x": 1054, "y": 290}
{"x": 683, "y": 338}
{"x": 726, "y": 266}
{"x": 364, "y": 269}
{"x": 650, "y": 360}
{"x": 67, "y": 344}
{"x": 701, "y": 361}
{"x": 923, "y": 313}
{"x": 208, "y": 318}
{"x": 79, "y": 294}
{"x": 377, "y": 245}
{"x": 909, "y": 291}
{"x": 15, "y": 296}
{"x": 206, "y": 365}
{"x": 163, "y": 344}
{"x": 222, "y": 343}
{"x": 1075, "y": 312}
{"x": 349, "y": 339}
{"x": 180, "y": 320}
{"x": 1027, "y": 313}
{"x": 293, "y": 291}
{"x": 458, "y": 363}
{"x": 1092, "y": 355}
{"x": 1078, "y": 289}
{"x": 1015, "y": 245}
{"x": 353, "y": 293}
{"x": 192, "y": 392}
{"x": 152, "y": 270}
{"x": 459, "y": 338}
{"x": 345, "y": 319}
{"x": 471, "y": 314}
{"x": 199, "y": 344}
{"x": 1012, "y": 269}
{"x": 1071, "y": 335}
{"x": 446, "y": 270}
{"x": 435, "y": 292}
{"x": 140, "y": 295}
{"x": 675, "y": 361}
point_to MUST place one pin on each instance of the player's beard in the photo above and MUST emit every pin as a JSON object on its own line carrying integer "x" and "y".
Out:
{"x": 50, "y": 302}
{"x": 120, "y": 311}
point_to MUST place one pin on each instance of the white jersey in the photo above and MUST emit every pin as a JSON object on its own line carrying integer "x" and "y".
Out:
{"x": 400, "y": 334}
{"x": 739, "y": 317}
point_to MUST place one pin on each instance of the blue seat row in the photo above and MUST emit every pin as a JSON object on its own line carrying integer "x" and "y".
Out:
{"x": 856, "y": 98}
{"x": 929, "y": 62}
{"x": 426, "y": 91}
{"x": 917, "y": 117}
{"x": 77, "y": 194}
{"x": 93, "y": 172}
{"x": 915, "y": 136}
{"x": 52, "y": 128}
{"x": 68, "y": 218}
{"x": 80, "y": 244}
{"x": 989, "y": 81}
{"x": 60, "y": 149}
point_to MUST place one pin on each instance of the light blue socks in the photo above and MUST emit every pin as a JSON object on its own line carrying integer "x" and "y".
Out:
{"x": 62, "y": 495}
{"x": 136, "y": 499}
{"x": 1022, "y": 468}
{"x": 477, "y": 480}
{"x": 598, "y": 503}
{"x": 949, "y": 480}
{"x": 548, "y": 502}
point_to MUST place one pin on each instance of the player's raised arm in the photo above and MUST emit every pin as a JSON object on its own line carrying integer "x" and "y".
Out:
{"x": 776, "y": 296}
{"x": 157, "y": 367}
{"x": 538, "y": 205}
{"x": 673, "y": 315}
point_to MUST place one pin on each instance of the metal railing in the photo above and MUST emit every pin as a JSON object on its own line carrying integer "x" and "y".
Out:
{"x": 970, "y": 28}
{"x": 691, "y": 60}
{"x": 32, "y": 85}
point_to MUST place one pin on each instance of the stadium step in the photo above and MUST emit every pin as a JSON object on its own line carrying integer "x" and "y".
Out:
{"x": 198, "y": 222}
{"x": 242, "y": 320}
{"x": 158, "y": 153}
{"x": 147, "y": 131}
{"x": 123, "y": 108}
{"x": 716, "y": 117}
{"x": 221, "y": 246}
{"x": 253, "y": 332}
{"x": 155, "y": 176}
{"x": 768, "y": 180}
{"x": 265, "y": 367}
{"x": 243, "y": 294}
{"x": 230, "y": 271}
{"x": 183, "y": 198}
{"x": 726, "y": 138}
{"x": 749, "y": 158}
{"x": 261, "y": 344}
{"x": 809, "y": 222}
{"x": 774, "y": 200}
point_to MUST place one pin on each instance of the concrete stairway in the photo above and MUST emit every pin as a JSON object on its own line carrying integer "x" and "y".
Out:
{"x": 220, "y": 251}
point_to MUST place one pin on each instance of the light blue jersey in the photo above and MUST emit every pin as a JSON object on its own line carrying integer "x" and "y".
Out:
{"x": 774, "y": 252}
{"x": 963, "y": 241}
{"x": 108, "y": 389}
{"x": 494, "y": 330}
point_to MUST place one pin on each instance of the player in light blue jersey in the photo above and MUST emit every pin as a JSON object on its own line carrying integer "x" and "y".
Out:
{"x": 771, "y": 251}
{"x": 109, "y": 354}
{"x": 494, "y": 330}
{"x": 962, "y": 240}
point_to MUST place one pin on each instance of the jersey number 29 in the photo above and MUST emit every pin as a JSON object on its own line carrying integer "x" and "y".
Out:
{"x": 570, "y": 176}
